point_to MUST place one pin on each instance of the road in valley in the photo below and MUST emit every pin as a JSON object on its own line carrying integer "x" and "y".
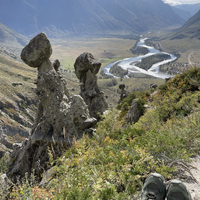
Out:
{"x": 189, "y": 60}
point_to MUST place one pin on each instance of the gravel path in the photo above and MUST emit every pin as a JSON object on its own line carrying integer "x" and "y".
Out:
{"x": 193, "y": 187}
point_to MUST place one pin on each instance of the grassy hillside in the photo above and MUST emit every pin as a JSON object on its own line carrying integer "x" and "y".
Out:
{"x": 115, "y": 162}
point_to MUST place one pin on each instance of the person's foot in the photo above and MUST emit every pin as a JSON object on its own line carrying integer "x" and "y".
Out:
{"x": 154, "y": 188}
{"x": 176, "y": 190}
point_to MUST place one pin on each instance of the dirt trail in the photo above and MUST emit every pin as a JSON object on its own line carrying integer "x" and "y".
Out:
{"x": 189, "y": 59}
{"x": 194, "y": 188}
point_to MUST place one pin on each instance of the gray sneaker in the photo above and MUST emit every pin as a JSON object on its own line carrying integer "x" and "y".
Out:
{"x": 154, "y": 187}
{"x": 176, "y": 190}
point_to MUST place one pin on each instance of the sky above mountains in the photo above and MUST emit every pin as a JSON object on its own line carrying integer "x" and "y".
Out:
{"x": 179, "y": 2}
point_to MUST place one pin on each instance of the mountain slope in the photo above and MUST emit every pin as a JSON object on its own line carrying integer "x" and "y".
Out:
{"x": 121, "y": 13}
{"x": 182, "y": 13}
{"x": 19, "y": 15}
{"x": 86, "y": 17}
{"x": 8, "y": 36}
{"x": 17, "y": 97}
{"x": 190, "y": 29}
{"x": 79, "y": 17}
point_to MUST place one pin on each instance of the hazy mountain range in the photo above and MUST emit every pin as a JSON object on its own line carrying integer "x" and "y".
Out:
{"x": 9, "y": 36}
{"x": 186, "y": 10}
{"x": 191, "y": 8}
{"x": 63, "y": 18}
{"x": 190, "y": 29}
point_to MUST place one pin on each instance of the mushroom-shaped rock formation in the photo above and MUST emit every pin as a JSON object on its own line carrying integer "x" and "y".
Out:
{"x": 37, "y": 51}
{"x": 59, "y": 120}
{"x": 56, "y": 64}
{"x": 86, "y": 68}
{"x": 123, "y": 94}
{"x": 153, "y": 85}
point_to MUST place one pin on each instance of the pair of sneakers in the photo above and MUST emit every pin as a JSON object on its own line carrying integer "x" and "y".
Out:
{"x": 155, "y": 189}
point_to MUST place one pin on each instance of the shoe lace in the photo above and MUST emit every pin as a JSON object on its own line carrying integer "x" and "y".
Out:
{"x": 150, "y": 196}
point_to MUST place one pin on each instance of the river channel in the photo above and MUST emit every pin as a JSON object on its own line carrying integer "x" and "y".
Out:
{"x": 129, "y": 63}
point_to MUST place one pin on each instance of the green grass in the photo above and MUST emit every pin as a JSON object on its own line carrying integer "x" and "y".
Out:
{"x": 115, "y": 162}
{"x": 132, "y": 84}
{"x": 106, "y": 61}
{"x": 106, "y": 50}
{"x": 67, "y": 63}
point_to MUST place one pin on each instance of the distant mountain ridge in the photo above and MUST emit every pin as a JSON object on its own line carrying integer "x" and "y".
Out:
{"x": 9, "y": 36}
{"x": 186, "y": 10}
{"x": 190, "y": 29}
{"x": 182, "y": 13}
{"x": 86, "y": 17}
{"x": 192, "y": 8}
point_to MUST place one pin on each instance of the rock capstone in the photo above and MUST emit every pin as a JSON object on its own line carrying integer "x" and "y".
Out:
{"x": 86, "y": 68}
{"x": 123, "y": 94}
{"x": 56, "y": 64}
{"x": 153, "y": 85}
{"x": 38, "y": 50}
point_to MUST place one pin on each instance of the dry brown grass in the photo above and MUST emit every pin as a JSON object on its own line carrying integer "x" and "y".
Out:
{"x": 13, "y": 72}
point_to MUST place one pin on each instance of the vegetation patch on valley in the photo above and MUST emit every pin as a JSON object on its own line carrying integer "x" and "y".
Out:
{"x": 118, "y": 71}
{"x": 139, "y": 50}
{"x": 151, "y": 43}
{"x": 147, "y": 62}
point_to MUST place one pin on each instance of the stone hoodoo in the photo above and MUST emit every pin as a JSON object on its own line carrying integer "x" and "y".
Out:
{"x": 60, "y": 118}
{"x": 56, "y": 64}
{"x": 124, "y": 93}
{"x": 154, "y": 86}
{"x": 134, "y": 113}
{"x": 86, "y": 68}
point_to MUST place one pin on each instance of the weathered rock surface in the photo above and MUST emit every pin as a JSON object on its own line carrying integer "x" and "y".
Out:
{"x": 86, "y": 68}
{"x": 59, "y": 120}
{"x": 38, "y": 50}
{"x": 123, "y": 94}
{"x": 134, "y": 113}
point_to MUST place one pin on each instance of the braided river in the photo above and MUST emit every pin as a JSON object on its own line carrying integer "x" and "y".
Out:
{"x": 129, "y": 63}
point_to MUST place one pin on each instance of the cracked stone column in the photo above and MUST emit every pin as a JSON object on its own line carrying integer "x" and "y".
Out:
{"x": 86, "y": 69}
{"x": 124, "y": 94}
{"x": 59, "y": 118}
